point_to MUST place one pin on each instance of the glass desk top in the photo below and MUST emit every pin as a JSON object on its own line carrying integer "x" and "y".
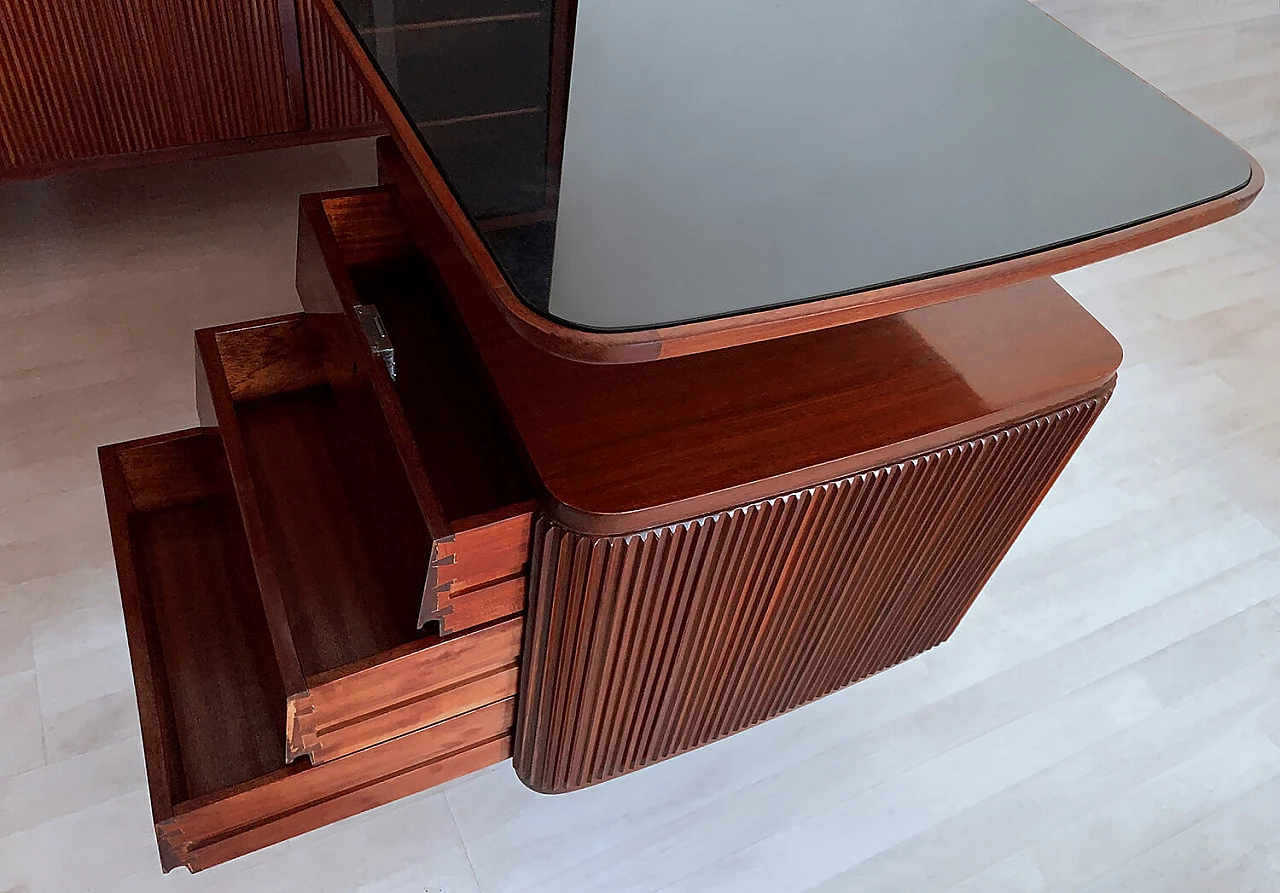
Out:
{"x": 633, "y": 164}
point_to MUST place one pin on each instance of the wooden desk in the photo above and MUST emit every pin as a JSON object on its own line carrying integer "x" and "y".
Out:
{"x": 622, "y": 542}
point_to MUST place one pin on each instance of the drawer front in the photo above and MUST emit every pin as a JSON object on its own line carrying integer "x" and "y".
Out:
{"x": 365, "y": 705}
{"x": 293, "y": 802}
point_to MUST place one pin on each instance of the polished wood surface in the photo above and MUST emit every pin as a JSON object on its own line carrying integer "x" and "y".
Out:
{"x": 88, "y": 85}
{"x": 208, "y": 694}
{"x": 463, "y": 466}
{"x": 342, "y": 542}
{"x": 476, "y": 271}
{"x": 295, "y": 801}
{"x": 215, "y": 616}
{"x": 87, "y": 79}
{"x": 341, "y": 553}
{"x": 418, "y": 685}
{"x": 642, "y": 647}
{"x": 698, "y": 434}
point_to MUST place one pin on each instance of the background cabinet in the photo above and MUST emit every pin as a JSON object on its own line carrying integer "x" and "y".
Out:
{"x": 99, "y": 82}
{"x": 336, "y": 98}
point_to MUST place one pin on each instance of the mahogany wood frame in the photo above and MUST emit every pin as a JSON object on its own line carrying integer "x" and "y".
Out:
{"x": 478, "y": 563}
{"x": 670, "y": 560}
{"x": 674, "y": 459}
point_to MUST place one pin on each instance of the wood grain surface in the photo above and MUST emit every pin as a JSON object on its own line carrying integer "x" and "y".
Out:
{"x": 1122, "y": 659}
{"x": 209, "y": 687}
{"x": 646, "y": 645}
{"x": 86, "y": 79}
{"x": 701, "y": 433}
{"x": 463, "y": 465}
{"x": 422, "y": 683}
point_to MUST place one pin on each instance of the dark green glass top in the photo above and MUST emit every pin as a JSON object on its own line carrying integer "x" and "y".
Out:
{"x": 637, "y": 163}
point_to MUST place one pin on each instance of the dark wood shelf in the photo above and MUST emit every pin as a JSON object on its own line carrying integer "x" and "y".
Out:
{"x": 344, "y": 548}
{"x": 221, "y": 714}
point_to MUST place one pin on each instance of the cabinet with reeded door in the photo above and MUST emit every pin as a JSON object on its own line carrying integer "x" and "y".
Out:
{"x": 101, "y": 82}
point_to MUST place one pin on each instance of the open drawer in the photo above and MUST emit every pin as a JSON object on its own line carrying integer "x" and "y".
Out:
{"x": 208, "y": 683}
{"x": 464, "y": 468}
{"x": 340, "y": 542}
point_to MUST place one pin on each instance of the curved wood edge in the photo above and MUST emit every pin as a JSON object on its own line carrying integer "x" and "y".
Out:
{"x": 697, "y": 337}
{"x": 857, "y": 307}
{"x": 591, "y": 524}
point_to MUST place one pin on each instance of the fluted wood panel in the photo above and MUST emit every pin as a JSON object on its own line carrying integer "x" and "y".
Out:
{"x": 87, "y": 78}
{"x": 646, "y": 645}
{"x": 336, "y": 98}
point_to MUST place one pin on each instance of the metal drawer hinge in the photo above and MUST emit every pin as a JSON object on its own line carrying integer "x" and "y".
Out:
{"x": 376, "y": 334}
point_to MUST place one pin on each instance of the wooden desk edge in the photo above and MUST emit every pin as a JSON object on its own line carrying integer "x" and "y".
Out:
{"x": 621, "y": 523}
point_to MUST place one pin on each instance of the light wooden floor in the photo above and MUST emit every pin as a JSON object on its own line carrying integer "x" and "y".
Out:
{"x": 1108, "y": 718}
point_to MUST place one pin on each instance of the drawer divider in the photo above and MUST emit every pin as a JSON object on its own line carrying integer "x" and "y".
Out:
{"x": 215, "y": 379}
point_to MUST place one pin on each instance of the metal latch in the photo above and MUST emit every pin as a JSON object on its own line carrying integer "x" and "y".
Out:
{"x": 376, "y": 334}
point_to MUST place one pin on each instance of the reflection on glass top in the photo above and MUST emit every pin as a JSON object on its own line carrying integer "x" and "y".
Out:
{"x": 637, "y": 163}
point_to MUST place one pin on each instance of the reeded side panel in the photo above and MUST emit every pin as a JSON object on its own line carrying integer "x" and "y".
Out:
{"x": 84, "y": 78}
{"x": 335, "y": 97}
{"x": 643, "y": 646}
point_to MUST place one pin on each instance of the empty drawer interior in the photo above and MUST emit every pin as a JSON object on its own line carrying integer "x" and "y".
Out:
{"x": 209, "y": 694}
{"x": 346, "y": 543}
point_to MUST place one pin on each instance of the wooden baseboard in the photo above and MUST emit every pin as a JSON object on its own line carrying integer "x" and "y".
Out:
{"x": 189, "y": 153}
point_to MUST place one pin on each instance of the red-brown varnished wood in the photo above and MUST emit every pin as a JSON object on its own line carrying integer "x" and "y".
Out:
{"x": 468, "y": 475}
{"x": 413, "y": 687}
{"x": 214, "y": 379}
{"x": 456, "y": 248}
{"x": 209, "y": 693}
{"x": 693, "y": 435}
{"x": 84, "y": 79}
{"x": 473, "y": 607}
{"x": 342, "y": 552}
{"x": 336, "y": 98}
{"x": 645, "y": 645}
{"x": 300, "y": 799}
{"x": 89, "y": 86}
{"x": 285, "y": 140}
